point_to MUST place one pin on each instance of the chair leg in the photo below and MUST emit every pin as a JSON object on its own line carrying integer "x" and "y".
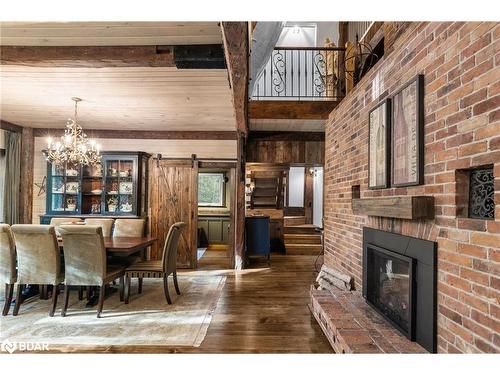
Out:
{"x": 80, "y": 293}
{"x": 9, "y": 289}
{"x": 127, "y": 289}
{"x": 55, "y": 293}
{"x": 19, "y": 292}
{"x": 66, "y": 299}
{"x": 165, "y": 289}
{"x": 122, "y": 288}
{"x": 102, "y": 292}
{"x": 139, "y": 289}
{"x": 177, "y": 290}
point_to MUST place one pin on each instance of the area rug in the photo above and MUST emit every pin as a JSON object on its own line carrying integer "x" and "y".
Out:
{"x": 146, "y": 320}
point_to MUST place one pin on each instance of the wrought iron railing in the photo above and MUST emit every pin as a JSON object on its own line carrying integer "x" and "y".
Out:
{"x": 302, "y": 73}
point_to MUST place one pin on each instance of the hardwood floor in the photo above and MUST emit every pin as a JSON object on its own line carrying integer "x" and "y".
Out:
{"x": 262, "y": 310}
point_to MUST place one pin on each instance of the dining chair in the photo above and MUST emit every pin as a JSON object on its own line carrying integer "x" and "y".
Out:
{"x": 129, "y": 228}
{"x": 57, "y": 221}
{"x": 105, "y": 224}
{"x": 8, "y": 272}
{"x": 85, "y": 262}
{"x": 38, "y": 260}
{"x": 159, "y": 268}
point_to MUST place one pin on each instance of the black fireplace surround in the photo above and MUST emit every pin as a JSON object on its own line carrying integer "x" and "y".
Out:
{"x": 399, "y": 281}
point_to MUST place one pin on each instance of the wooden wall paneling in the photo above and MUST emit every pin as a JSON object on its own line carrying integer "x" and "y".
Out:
{"x": 140, "y": 134}
{"x": 173, "y": 197}
{"x": 26, "y": 187}
{"x": 232, "y": 222}
{"x": 315, "y": 152}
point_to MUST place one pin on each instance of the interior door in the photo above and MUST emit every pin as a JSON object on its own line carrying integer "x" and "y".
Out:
{"x": 173, "y": 188}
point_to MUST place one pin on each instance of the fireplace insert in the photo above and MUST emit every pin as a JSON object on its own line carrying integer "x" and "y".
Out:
{"x": 391, "y": 287}
{"x": 399, "y": 281}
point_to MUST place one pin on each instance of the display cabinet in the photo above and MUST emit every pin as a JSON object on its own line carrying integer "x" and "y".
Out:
{"x": 115, "y": 188}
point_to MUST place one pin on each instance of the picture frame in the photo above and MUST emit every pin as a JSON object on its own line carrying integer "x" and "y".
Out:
{"x": 407, "y": 134}
{"x": 379, "y": 129}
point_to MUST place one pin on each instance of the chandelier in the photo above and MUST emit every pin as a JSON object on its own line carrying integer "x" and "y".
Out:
{"x": 74, "y": 146}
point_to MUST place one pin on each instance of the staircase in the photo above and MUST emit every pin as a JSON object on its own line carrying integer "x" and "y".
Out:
{"x": 267, "y": 190}
{"x": 301, "y": 239}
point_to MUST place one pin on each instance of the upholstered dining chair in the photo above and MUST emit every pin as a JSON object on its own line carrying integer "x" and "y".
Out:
{"x": 105, "y": 224}
{"x": 38, "y": 260}
{"x": 159, "y": 268}
{"x": 57, "y": 221}
{"x": 85, "y": 262}
{"x": 129, "y": 228}
{"x": 8, "y": 272}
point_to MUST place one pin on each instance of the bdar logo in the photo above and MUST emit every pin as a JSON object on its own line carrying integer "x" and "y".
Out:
{"x": 8, "y": 346}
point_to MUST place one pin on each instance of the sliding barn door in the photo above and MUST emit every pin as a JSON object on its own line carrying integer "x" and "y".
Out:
{"x": 174, "y": 197}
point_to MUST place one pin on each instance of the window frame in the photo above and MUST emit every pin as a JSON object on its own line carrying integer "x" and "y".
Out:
{"x": 223, "y": 192}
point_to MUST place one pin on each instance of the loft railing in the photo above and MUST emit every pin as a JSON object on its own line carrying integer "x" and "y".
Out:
{"x": 302, "y": 73}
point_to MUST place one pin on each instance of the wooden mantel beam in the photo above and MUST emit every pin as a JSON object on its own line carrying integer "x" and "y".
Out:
{"x": 88, "y": 57}
{"x": 235, "y": 39}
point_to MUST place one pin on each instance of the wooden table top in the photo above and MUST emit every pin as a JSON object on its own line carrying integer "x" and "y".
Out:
{"x": 125, "y": 245}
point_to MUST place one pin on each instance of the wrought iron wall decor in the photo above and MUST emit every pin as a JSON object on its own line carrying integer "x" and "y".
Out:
{"x": 364, "y": 59}
{"x": 294, "y": 72}
{"x": 481, "y": 193}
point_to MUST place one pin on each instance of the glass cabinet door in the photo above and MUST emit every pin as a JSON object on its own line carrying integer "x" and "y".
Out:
{"x": 65, "y": 188}
{"x": 119, "y": 185}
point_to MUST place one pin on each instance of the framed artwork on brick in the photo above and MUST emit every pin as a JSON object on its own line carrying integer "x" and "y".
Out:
{"x": 379, "y": 145}
{"x": 407, "y": 133}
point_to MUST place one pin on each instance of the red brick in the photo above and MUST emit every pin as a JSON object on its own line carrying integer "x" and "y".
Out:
{"x": 472, "y": 250}
{"x": 471, "y": 224}
{"x": 485, "y": 239}
{"x": 474, "y": 276}
{"x": 494, "y": 144}
{"x": 472, "y": 148}
{"x": 473, "y": 98}
{"x": 487, "y": 105}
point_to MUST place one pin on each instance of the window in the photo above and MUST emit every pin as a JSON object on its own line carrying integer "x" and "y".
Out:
{"x": 211, "y": 189}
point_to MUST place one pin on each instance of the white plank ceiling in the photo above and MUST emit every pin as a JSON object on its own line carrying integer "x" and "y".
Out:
{"x": 146, "y": 98}
{"x": 108, "y": 33}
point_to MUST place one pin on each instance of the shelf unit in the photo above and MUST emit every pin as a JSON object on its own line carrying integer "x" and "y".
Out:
{"x": 115, "y": 188}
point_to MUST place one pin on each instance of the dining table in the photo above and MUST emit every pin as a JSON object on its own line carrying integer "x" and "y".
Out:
{"x": 118, "y": 246}
{"x": 123, "y": 246}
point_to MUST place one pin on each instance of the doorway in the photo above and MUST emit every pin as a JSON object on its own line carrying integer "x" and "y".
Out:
{"x": 216, "y": 199}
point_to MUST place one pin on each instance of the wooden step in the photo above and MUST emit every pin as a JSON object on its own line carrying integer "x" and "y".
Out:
{"x": 300, "y": 229}
{"x": 302, "y": 238}
{"x": 294, "y": 220}
{"x": 269, "y": 201}
{"x": 264, "y": 192}
{"x": 303, "y": 249}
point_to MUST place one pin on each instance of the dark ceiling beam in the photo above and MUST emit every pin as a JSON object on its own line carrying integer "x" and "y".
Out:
{"x": 235, "y": 40}
{"x": 291, "y": 109}
{"x": 286, "y": 136}
{"x": 143, "y": 134}
{"x": 5, "y": 125}
{"x": 88, "y": 57}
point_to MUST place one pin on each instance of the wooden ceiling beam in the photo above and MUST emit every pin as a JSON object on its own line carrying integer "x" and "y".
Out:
{"x": 235, "y": 40}
{"x": 88, "y": 57}
{"x": 286, "y": 136}
{"x": 140, "y": 134}
{"x": 5, "y": 125}
{"x": 291, "y": 109}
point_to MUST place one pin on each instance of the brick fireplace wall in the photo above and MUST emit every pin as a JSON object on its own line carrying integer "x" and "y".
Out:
{"x": 461, "y": 65}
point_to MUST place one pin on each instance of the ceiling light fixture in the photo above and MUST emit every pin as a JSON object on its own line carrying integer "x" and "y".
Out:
{"x": 74, "y": 146}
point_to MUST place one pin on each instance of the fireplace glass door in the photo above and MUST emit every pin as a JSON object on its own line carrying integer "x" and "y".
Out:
{"x": 390, "y": 287}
